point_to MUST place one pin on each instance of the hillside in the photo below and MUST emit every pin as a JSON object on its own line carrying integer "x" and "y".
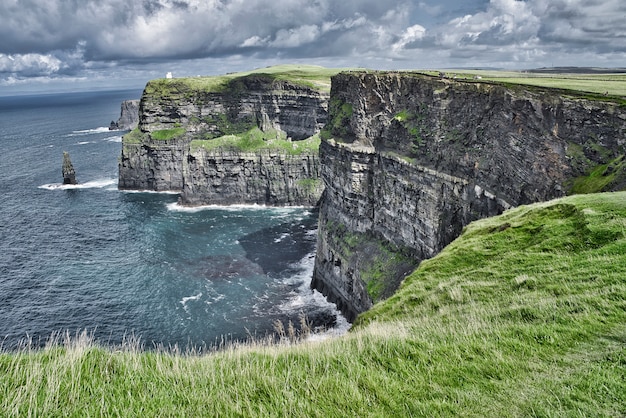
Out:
{"x": 523, "y": 315}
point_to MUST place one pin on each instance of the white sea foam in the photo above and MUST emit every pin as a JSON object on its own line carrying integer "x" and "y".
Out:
{"x": 150, "y": 191}
{"x": 113, "y": 139}
{"x": 184, "y": 300}
{"x": 85, "y": 142}
{"x": 286, "y": 210}
{"x": 282, "y": 237}
{"x": 305, "y": 296}
{"x": 188, "y": 298}
{"x": 99, "y": 130}
{"x": 215, "y": 299}
{"x": 94, "y": 184}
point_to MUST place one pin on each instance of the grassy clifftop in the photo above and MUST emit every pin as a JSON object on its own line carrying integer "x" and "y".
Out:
{"x": 523, "y": 315}
{"x": 311, "y": 76}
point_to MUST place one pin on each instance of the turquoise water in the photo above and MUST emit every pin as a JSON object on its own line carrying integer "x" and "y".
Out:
{"x": 116, "y": 264}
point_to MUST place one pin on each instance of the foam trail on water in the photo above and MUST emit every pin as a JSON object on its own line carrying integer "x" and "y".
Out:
{"x": 94, "y": 184}
{"x": 113, "y": 139}
{"x": 99, "y": 130}
{"x": 185, "y": 299}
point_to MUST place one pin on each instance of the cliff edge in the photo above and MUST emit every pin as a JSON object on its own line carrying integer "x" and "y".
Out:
{"x": 240, "y": 138}
{"x": 408, "y": 160}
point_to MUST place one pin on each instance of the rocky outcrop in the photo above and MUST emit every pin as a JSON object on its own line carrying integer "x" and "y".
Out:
{"x": 178, "y": 117}
{"x": 408, "y": 160}
{"x": 129, "y": 115}
{"x": 69, "y": 174}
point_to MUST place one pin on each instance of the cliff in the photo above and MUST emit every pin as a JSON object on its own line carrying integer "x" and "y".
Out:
{"x": 409, "y": 160}
{"x": 129, "y": 115}
{"x": 248, "y": 138}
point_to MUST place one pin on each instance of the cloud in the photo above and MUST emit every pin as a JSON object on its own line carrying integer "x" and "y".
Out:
{"x": 72, "y": 38}
{"x": 411, "y": 35}
{"x": 514, "y": 32}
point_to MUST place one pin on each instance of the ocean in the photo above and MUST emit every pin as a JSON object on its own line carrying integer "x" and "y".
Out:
{"x": 121, "y": 265}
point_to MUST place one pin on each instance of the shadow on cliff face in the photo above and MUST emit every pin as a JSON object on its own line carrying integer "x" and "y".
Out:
{"x": 280, "y": 248}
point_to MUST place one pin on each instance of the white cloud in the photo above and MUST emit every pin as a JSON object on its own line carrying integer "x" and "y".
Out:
{"x": 292, "y": 38}
{"x": 68, "y": 38}
{"x": 31, "y": 64}
{"x": 411, "y": 34}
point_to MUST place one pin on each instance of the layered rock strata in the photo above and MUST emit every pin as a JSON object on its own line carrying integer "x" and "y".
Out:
{"x": 408, "y": 160}
{"x": 263, "y": 177}
{"x": 171, "y": 148}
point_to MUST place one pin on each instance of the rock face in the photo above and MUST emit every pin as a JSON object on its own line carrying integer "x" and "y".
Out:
{"x": 408, "y": 160}
{"x": 129, "y": 115}
{"x": 263, "y": 177}
{"x": 69, "y": 175}
{"x": 168, "y": 152}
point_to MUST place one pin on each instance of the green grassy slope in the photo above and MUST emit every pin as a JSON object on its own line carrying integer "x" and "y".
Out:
{"x": 523, "y": 315}
{"x": 610, "y": 84}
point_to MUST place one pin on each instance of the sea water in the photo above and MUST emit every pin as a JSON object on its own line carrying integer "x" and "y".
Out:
{"x": 119, "y": 264}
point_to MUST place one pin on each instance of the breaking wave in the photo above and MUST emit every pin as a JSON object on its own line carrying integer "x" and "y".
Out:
{"x": 94, "y": 184}
{"x": 81, "y": 132}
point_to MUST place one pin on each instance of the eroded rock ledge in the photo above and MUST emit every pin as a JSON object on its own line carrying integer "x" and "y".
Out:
{"x": 407, "y": 160}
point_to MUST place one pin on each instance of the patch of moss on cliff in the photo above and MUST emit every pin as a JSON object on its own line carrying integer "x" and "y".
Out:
{"x": 415, "y": 125}
{"x": 601, "y": 178}
{"x": 340, "y": 113}
{"x": 381, "y": 265}
{"x": 134, "y": 137}
{"x": 167, "y": 134}
{"x": 309, "y": 185}
{"x": 256, "y": 140}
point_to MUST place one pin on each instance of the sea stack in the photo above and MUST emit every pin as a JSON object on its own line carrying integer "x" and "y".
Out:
{"x": 69, "y": 175}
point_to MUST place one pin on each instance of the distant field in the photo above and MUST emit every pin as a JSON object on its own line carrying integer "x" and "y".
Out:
{"x": 611, "y": 84}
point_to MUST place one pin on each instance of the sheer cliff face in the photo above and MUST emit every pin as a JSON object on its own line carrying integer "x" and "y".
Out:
{"x": 160, "y": 155}
{"x": 409, "y": 160}
{"x": 129, "y": 115}
{"x": 264, "y": 177}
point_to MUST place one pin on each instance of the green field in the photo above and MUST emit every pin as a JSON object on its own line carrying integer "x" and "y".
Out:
{"x": 523, "y": 315}
{"x": 304, "y": 75}
{"x": 610, "y": 84}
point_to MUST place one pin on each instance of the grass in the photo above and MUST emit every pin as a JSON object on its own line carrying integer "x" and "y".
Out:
{"x": 134, "y": 137}
{"x": 598, "y": 177}
{"x": 167, "y": 134}
{"x": 523, "y": 315}
{"x": 598, "y": 84}
{"x": 303, "y": 75}
{"x": 255, "y": 140}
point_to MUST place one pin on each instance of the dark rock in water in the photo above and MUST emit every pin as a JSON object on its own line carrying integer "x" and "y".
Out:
{"x": 113, "y": 126}
{"x": 69, "y": 175}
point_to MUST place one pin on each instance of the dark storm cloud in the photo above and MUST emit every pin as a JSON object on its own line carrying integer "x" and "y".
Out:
{"x": 74, "y": 37}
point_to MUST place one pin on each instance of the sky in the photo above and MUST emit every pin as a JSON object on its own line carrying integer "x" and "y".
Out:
{"x": 66, "y": 45}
